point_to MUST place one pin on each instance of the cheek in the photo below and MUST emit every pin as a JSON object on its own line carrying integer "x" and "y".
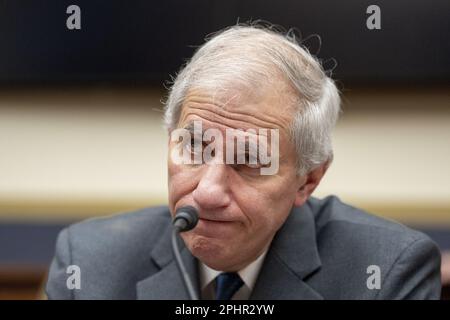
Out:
{"x": 267, "y": 205}
{"x": 254, "y": 205}
{"x": 181, "y": 182}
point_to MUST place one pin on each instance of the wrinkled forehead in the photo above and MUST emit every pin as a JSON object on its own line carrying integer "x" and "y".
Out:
{"x": 271, "y": 106}
{"x": 198, "y": 128}
{"x": 229, "y": 95}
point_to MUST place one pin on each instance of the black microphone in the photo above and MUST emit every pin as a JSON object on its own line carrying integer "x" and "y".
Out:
{"x": 186, "y": 218}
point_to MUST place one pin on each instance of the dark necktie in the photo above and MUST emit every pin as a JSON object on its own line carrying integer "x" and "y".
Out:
{"x": 227, "y": 284}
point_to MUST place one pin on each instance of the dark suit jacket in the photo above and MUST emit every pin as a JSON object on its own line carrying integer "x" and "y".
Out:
{"x": 322, "y": 251}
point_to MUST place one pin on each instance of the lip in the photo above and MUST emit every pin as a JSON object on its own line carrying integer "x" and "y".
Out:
{"x": 201, "y": 215}
{"x": 214, "y": 228}
{"x": 214, "y": 220}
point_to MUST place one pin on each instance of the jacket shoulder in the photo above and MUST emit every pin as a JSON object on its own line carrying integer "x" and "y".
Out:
{"x": 332, "y": 213}
{"x": 118, "y": 238}
{"x": 123, "y": 226}
{"x": 112, "y": 253}
{"x": 352, "y": 242}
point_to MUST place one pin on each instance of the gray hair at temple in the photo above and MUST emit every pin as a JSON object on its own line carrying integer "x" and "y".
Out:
{"x": 249, "y": 57}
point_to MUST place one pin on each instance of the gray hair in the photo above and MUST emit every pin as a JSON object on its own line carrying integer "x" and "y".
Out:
{"x": 245, "y": 57}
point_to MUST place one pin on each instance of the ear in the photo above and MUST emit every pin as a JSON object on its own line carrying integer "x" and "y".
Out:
{"x": 309, "y": 183}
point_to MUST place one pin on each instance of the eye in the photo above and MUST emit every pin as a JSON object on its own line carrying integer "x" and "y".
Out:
{"x": 190, "y": 146}
{"x": 250, "y": 167}
{"x": 253, "y": 166}
{"x": 251, "y": 161}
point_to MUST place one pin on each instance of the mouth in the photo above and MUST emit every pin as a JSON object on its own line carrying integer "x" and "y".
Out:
{"x": 214, "y": 220}
{"x": 214, "y": 228}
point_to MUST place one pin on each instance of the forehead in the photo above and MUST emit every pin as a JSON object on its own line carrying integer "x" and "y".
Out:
{"x": 269, "y": 108}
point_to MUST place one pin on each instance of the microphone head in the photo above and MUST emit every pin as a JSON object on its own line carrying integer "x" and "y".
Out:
{"x": 186, "y": 218}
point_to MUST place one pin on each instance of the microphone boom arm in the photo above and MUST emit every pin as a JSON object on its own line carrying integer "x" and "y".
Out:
{"x": 183, "y": 272}
{"x": 186, "y": 218}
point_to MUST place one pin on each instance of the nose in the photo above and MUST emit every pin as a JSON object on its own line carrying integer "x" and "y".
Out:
{"x": 212, "y": 191}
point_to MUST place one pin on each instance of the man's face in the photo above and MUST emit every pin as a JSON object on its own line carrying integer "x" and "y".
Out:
{"x": 240, "y": 210}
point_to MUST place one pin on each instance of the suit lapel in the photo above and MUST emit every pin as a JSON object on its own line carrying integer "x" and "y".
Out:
{"x": 277, "y": 282}
{"x": 292, "y": 256}
{"x": 167, "y": 283}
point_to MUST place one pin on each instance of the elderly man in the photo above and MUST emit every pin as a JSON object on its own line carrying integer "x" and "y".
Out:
{"x": 260, "y": 234}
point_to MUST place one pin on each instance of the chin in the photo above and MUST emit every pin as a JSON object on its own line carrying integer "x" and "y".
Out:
{"x": 210, "y": 251}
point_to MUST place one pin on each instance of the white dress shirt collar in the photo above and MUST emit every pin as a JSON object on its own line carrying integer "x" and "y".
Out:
{"x": 249, "y": 274}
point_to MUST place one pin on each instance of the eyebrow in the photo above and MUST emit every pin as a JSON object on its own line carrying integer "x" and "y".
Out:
{"x": 190, "y": 127}
{"x": 253, "y": 146}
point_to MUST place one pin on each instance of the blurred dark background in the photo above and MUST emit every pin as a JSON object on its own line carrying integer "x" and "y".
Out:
{"x": 142, "y": 42}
